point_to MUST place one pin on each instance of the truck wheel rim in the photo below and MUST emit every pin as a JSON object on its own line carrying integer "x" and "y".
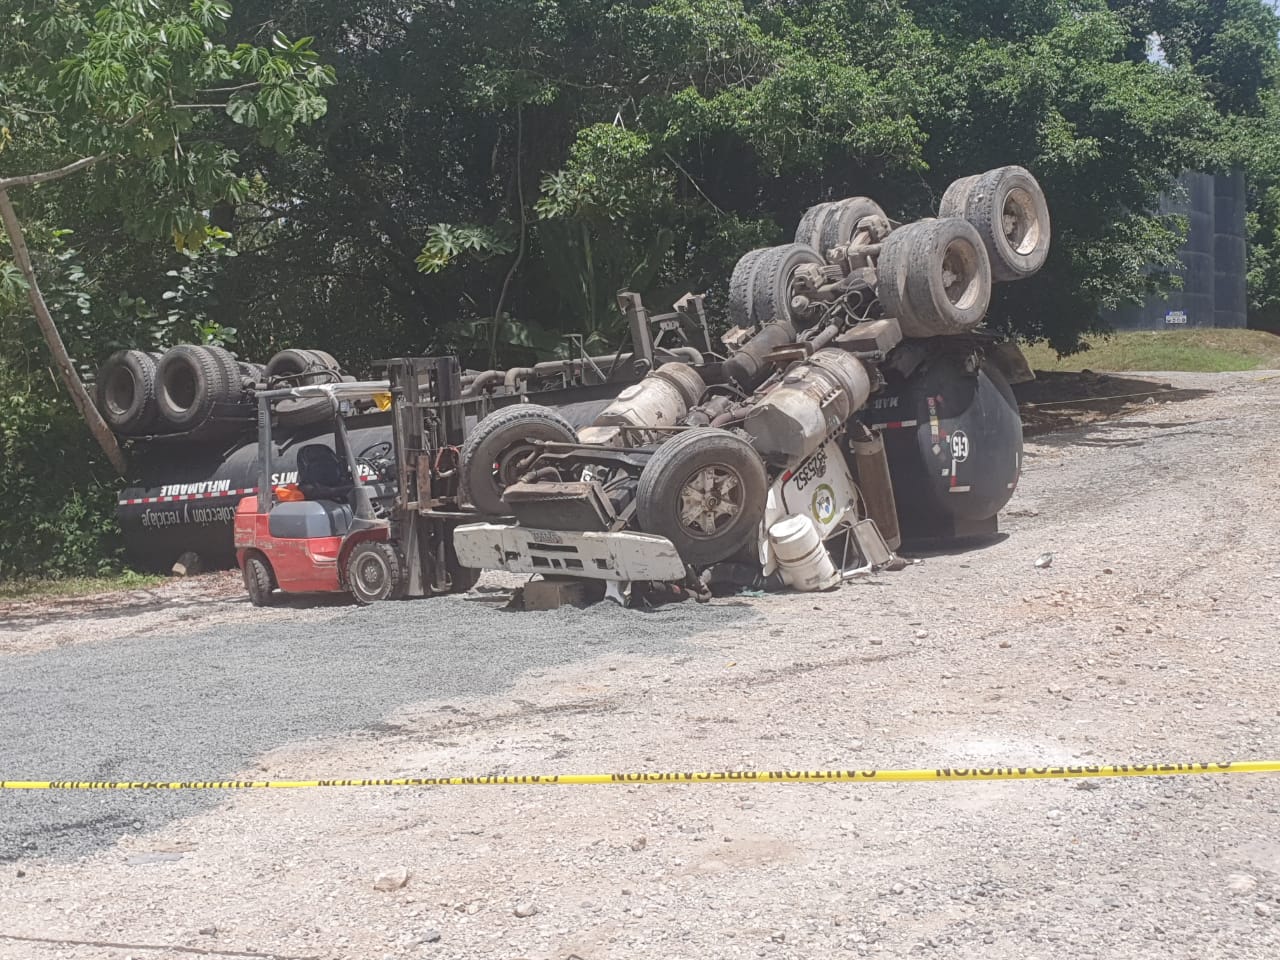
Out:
{"x": 121, "y": 389}
{"x": 960, "y": 275}
{"x": 710, "y": 500}
{"x": 512, "y": 465}
{"x": 1019, "y": 222}
{"x": 180, "y": 386}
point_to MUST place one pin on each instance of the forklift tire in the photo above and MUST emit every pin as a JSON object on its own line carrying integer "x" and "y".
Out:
{"x": 490, "y": 459}
{"x": 375, "y": 572}
{"x": 259, "y": 581}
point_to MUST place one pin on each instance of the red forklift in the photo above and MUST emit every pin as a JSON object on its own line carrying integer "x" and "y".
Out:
{"x": 376, "y": 523}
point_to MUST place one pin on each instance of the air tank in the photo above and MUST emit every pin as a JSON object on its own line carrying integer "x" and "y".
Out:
{"x": 815, "y": 397}
{"x": 954, "y": 441}
{"x": 748, "y": 368}
{"x": 185, "y": 496}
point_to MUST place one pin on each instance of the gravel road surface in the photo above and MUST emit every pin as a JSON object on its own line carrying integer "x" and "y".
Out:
{"x": 1152, "y": 635}
{"x": 207, "y": 702}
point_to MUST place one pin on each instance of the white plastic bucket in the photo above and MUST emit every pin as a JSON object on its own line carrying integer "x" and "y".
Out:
{"x": 805, "y": 563}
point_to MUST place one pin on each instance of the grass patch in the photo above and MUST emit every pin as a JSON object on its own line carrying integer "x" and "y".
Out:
{"x": 76, "y": 586}
{"x": 1193, "y": 351}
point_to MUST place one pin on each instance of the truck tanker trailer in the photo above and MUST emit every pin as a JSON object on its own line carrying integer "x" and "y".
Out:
{"x": 905, "y": 301}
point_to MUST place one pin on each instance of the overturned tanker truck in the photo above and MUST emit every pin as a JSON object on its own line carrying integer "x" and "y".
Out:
{"x": 855, "y": 403}
{"x": 861, "y": 403}
{"x": 190, "y": 474}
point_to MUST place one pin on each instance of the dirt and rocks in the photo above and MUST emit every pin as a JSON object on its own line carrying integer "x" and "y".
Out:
{"x": 1150, "y": 635}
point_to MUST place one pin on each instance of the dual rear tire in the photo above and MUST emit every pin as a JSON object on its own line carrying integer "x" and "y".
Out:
{"x": 141, "y": 393}
{"x": 126, "y": 392}
{"x": 934, "y": 276}
{"x": 1008, "y": 210}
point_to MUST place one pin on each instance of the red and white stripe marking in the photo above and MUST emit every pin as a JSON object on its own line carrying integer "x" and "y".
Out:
{"x": 177, "y": 498}
{"x": 895, "y": 425}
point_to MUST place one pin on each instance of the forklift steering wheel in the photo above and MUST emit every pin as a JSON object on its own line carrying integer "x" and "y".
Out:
{"x": 376, "y": 451}
{"x": 375, "y": 457}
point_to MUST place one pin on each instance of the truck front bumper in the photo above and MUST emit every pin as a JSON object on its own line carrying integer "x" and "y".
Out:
{"x": 598, "y": 556}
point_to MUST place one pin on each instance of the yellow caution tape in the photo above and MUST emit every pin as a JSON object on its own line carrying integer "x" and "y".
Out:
{"x": 946, "y": 774}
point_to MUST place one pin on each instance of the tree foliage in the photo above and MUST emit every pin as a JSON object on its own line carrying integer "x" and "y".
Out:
{"x": 484, "y": 176}
{"x": 113, "y": 130}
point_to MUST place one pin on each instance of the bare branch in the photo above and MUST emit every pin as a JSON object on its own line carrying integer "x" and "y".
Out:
{"x": 243, "y": 86}
{"x": 695, "y": 183}
{"x": 31, "y": 179}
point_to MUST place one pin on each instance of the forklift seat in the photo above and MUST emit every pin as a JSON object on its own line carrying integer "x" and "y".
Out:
{"x": 306, "y": 519}
{"x": 322, "y": 475}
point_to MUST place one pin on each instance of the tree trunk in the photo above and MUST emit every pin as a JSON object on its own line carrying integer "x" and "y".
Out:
{"x": 79, "y": 395}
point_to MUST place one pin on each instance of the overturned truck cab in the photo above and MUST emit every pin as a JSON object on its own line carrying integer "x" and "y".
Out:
{"x": 858, "y": 404}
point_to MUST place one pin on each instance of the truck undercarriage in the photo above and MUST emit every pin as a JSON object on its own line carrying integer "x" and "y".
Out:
{"x": 768, "y": 464}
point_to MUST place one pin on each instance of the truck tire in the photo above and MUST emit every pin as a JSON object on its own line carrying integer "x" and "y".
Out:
{"x": 1011, "y": 215}
{"x": 126, "y": 392}
{"x": 771, "y": 285}
{"x": 326, "y": 359}
{"x": 461, "y": 579}
{"x": 830, "y": 225}
{"x": 740, "y": 285}
{"x": 234, "y": 392}
{"x": 809, "y": 230}
{"x": 891, "y": 274}
{"x": 375, "y": 572}
{"x": 955, "y": 200}
{"x": 490, "y": 458}
{"x": 251, "y": 374}
{"x": 259, "y": 580}
{"x": 842, "y": 220}
{"x": 948, "y": 279}
{"x": 303, "y": 367}
{"x": 296, "y": 413}
{"x": 191, "y": 379}
{"x": 704, "y": 490}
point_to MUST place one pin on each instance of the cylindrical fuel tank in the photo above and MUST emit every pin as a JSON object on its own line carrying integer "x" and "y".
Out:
{"x": 954, "y": 440}
{"x": 185, "y": 496}
{"x": 813, "y": 399}
{"x": 659, "y": 400}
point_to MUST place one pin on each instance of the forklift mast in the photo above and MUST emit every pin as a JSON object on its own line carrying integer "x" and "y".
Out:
{"x": 427, "y": 425}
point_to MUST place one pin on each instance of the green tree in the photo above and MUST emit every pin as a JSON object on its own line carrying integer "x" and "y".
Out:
{"x": 492, "y": 172}
{"x": 138, "y": 82}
